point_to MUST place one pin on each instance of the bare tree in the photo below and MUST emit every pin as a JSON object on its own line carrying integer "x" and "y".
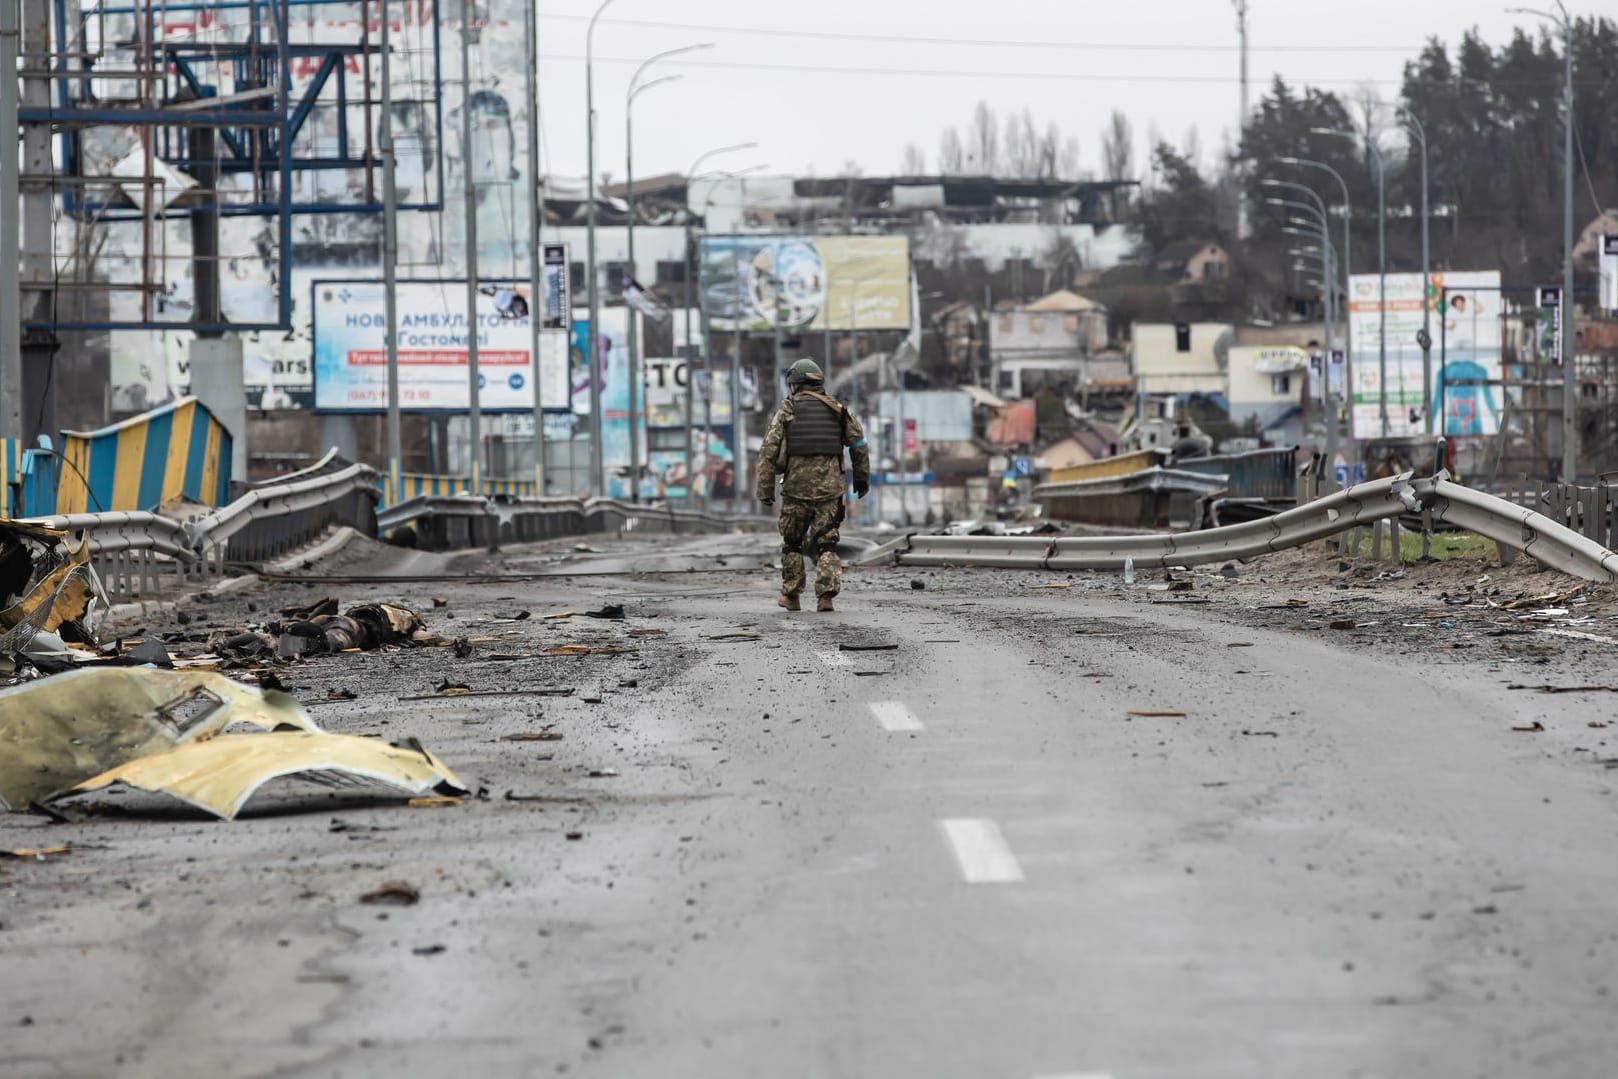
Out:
{"x": 1067, "y": 163}
{"x": 983, "y": 140}
{"x": 1118, "y": 148}
{"x": 951, "y": 154}
{"x": 914, "y": 162}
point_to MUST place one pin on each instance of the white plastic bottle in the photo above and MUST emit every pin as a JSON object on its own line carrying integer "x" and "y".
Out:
{"x": 1129, "y": 570}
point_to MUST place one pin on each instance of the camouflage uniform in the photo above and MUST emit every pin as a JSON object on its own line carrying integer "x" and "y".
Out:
{"x": 811, "y": 495}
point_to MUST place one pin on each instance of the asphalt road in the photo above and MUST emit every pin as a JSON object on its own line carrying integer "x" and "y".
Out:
{"x": 958, "y": 856}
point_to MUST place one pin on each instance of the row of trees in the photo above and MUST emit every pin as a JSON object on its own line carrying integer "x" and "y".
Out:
{"x": 1493, "y": 123}
{"x": 1014, "y": 147}
{"x": 1492, "y": 118}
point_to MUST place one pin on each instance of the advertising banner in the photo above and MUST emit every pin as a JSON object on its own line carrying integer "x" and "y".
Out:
{"x": 666, "y": 385}
{"x": 351, "y": 352}
{"x": 1609, "y": 273}
{"x": 553, "y": 278}
{"x": 807, "y": 282}
{"x": 1548, "y": 326}
{"x": 1466, "y": 354}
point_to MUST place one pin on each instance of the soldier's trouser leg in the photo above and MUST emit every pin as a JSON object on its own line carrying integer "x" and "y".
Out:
{"x": 828, "y": 567}
{"x": 794, "y": 526}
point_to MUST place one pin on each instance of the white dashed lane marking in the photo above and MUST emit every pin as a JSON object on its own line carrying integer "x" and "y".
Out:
{"x": 894, "y": 716}
{"x": 981, "y": 851}
{"x": 1077, "y": 1075}
{"x": 835, "y": 659}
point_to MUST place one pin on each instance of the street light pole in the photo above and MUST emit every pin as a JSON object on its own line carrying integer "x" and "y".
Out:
{"x": 636, "y": 379}
{"x": 474, "y": 409}
{"x": 1381, "y": 262}
{"x": 536, "y": 250}
{"x": 1348, "y": 311}
{"x": 592, "y": 359}
{"x": 691, "y": 175}
{"x": 1420, "y": 132}
{"x": 390, "y": 256}
{"x": 1570, "y": 380}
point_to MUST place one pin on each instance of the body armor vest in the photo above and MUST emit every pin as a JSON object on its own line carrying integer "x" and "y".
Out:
{"x": 816, "y": 429}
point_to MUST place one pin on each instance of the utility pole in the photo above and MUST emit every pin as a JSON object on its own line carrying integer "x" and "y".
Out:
{"x": 1570, "y": 379}
{"x": 637, "y": 379}
{"x": 10, "y": 245}
{"x": 538, "y": 296}
{"x": 37, "y": 207}
{"x": 1241, "y": 121}
{"x": 1426, "y": 341}
{"x": 473, "y": 380}
{"x": 690, "y": 360}
{"x": 592, "y": 359}
{"x": 1570, "y": 353}
{"x": 390, "y": 258}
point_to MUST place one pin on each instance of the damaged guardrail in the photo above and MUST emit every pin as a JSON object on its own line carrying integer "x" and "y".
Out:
{"x": 1356, "y": 507}
{"x": 469, "y": 520}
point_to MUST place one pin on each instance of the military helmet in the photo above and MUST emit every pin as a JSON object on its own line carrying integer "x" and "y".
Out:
{"x": 804, "y": 370}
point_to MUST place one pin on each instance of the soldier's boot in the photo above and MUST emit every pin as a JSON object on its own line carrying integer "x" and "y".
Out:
{"x": 789, "y": 601}
{"x": 824, "y": 604}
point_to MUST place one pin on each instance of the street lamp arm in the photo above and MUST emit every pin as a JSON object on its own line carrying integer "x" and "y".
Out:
{"x": 634, "y": 80}
{"x": 641, "y": 89}
{"x": 590, "y": 32}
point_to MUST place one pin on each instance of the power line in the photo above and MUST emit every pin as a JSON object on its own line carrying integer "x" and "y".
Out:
{"x": 979, "y": 43}
{"x": 956, "y": 73}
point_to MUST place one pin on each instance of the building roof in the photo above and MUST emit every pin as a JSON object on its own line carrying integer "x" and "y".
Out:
{"x": 1063, "y": 300}
{"x": 669, "y": 183}
{"x": 981, "y": 396}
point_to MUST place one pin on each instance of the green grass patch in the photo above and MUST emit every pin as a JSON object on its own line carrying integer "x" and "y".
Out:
{"x": 1444, "y": 546}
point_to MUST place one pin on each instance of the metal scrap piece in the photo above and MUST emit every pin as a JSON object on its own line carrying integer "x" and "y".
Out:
{"x": 63, "y": 730}
{"x": 221, "y": 774}
{"x": 46, "y": 582}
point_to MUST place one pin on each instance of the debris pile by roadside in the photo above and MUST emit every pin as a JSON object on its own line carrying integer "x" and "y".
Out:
{"x": 48, "y": 592}
{"x": 170, "y": 732}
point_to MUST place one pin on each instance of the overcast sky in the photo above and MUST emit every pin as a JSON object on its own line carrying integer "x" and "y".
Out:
{"x": 813, "y": 103}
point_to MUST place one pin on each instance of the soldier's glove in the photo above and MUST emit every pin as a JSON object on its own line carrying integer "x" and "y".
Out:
{"x": 862, "y": 488}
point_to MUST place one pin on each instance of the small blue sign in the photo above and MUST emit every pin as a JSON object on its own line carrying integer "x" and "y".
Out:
{"x": 1022, "y": 466}
{"x": 516, "y": 380}
{"x": 1351, "y": 475}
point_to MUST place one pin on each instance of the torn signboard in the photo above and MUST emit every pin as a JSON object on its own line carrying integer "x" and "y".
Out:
{"x": 221, "y": 774}
{"x": 64, "y": 730}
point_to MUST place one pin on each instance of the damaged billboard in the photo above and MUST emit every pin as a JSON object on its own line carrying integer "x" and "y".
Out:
{"x": 1466, "y": 353}
{"x": 806, "y": 283}
{"x": 349, "y": 328}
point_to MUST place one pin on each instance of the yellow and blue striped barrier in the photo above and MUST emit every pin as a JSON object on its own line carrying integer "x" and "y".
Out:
{"x": 146, "y": 462}
{"x": 10, "y": 477}
{"x": 415, "y": 484}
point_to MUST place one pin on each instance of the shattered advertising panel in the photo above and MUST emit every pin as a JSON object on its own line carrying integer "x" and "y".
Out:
{"x": 350, "y": 348}
{"x": 808, "y": 282}
{"x": 1466, "y": 353}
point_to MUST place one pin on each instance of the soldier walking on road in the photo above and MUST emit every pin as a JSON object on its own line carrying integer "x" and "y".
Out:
{"x": 804, "y": 446}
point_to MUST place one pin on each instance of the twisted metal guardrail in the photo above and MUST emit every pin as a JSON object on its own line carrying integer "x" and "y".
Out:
{"x": 1516, "y": 527}
{"x": 468, "y": 520}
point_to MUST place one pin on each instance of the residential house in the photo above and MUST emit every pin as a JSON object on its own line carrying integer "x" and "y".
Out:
{"x": 1181, "y": 359}
{"x": 1047, "y": 343}
{"x": 1269, "y": 387}
{"x": 1186, "y": 280}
